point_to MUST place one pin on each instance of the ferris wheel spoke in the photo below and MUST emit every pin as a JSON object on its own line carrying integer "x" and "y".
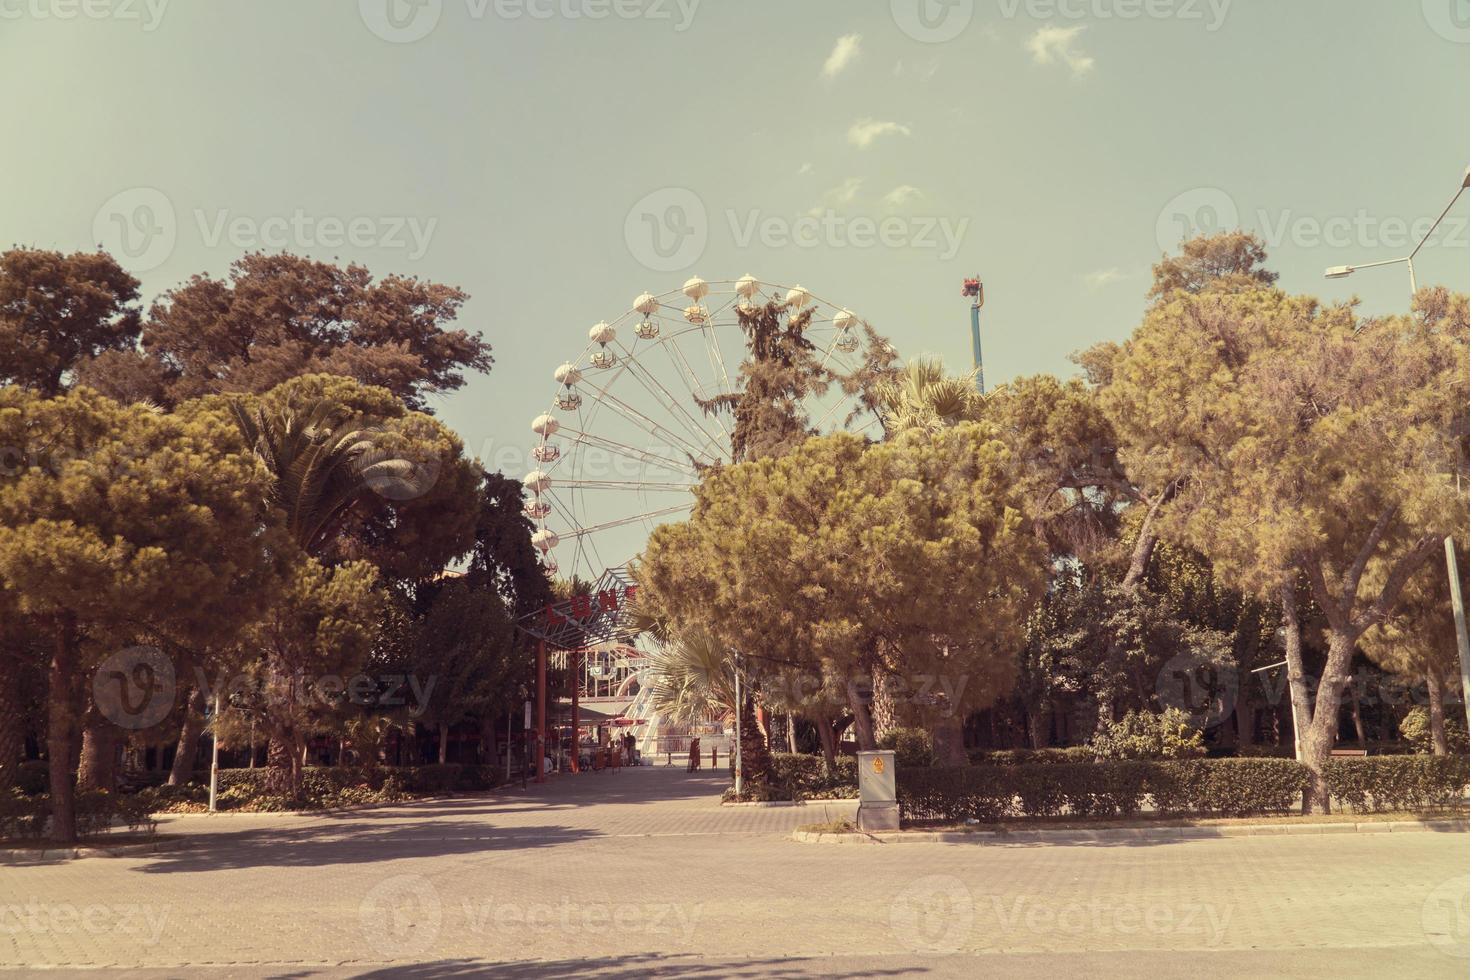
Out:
{"x": 649, "y": 381}
{"x": 642, "y": 486}
{"x": 691, "y": 380}
{"x": 629, "y": 452}
{"x": 606, "y": 397}
{"x": 586, "y": 532}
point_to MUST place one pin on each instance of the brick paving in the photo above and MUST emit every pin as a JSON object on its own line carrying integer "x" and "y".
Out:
{"x": 642, "y": 873}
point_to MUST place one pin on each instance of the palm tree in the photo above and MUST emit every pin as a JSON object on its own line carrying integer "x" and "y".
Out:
{"x": 693, "y": 678}
{"x": 924, "y": 397}
{"x": 323, "y": 463}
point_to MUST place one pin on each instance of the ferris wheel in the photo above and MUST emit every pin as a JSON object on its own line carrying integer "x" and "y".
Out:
{"x": 647, "y": 407}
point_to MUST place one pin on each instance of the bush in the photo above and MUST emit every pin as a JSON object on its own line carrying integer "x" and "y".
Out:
{"x": 1380, "y": 784}
{"x": 22, "y": 814}
{"x": 34, "y": 777}
{"x": 1227, "y": 787}
{"x": 806, "y": 777}
{"x": 913, "y": 748}
{"x": 1224, "y": 787}
{"x": 1144, "y": 735}
{"x": 1026, "y": 757}
{"x": 1415, "y": 730}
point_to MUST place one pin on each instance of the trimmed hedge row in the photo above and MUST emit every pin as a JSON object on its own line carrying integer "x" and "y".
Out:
{"x": 1399, "y": 783}
{"x": 23, "y": 815}
{"x": 1206, "y": 787}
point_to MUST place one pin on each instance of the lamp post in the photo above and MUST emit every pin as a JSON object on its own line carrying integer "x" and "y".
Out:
{"x": 1462, "y": 635}
{"x": 1343, "y": 271}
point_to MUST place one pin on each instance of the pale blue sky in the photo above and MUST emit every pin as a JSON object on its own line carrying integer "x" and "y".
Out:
{"x": 518, "y": 145}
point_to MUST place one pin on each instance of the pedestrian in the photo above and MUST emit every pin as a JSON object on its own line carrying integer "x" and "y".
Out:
{"x": 693, "y": 754}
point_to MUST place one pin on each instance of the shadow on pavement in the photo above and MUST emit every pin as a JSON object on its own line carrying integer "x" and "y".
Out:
{"x": 354, "y": 843}
{"x": 630, "y": 968}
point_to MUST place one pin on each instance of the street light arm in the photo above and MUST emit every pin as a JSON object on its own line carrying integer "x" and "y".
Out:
{"x": 1343, "y": 271}
{"x": 1437, "y": 222}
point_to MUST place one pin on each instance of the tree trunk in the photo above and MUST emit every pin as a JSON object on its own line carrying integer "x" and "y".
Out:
{"x": 755, "y": 757}
{"x": 12, "y": 733}
{"x": 1148, "y": 540}
{"x": 488, "y": 743}
{"x": 61, "y": 725}
{"x": 1358, "y": 719}
{"x": 862, "y": 721}
{"x": 828, "y": 738}
{"x": 1036, "y": 727}
{"x": 883, "y": 711}
{"x": 1245, "y": 727}
{"x": 791, "y": 733}
{"x": 1437, "y": 733}
{"x": 948, "y": 734}
{"x": 100, "y": 743}
{"x": 443, "y": 743}
{"x": 283, "y": 757}
{"x": 188, "y": 748}
{"x": 1321, "y": 734}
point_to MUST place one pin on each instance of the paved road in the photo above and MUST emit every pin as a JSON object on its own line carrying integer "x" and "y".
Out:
{"x": 642, "y": 874}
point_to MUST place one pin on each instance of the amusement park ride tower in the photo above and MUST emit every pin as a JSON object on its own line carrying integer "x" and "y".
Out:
{"x": 975, "y": 290}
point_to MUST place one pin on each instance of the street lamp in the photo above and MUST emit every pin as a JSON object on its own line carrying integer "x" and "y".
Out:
{"x": 1462, "y": 634}
{"x": 1343, "y": 271}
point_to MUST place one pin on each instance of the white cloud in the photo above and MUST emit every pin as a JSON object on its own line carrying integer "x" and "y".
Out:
{"x": 902, "y": 195}
{"x": 845, "y": 194}
{"x": 1102, "y": 277}
{"x": 864, "y": 132}
{"x": 806, "y": 168}
{"x": 838, "y": 197}
{"x": 849, "y": 46}
{"x": 1052, "y": 45}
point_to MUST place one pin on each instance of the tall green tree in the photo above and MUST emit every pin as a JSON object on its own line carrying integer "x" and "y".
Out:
{"x": 1317, "y": 446}
{"x": 119, "y": 523}
{"x": 59, "y": 311}
{"x": 278, "y": 317}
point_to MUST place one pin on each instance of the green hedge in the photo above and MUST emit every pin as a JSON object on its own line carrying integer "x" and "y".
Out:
{"x": 1212, "y": 787}
{"x": 23, "y": 815}
{"x": 1393, "y": 783}
{"x": 1026, "y": 757}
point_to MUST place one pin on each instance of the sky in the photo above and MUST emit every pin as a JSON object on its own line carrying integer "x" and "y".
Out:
{"x": 555, "y": 158}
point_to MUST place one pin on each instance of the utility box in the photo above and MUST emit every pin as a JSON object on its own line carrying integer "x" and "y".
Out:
{"x": 877, "y": 791}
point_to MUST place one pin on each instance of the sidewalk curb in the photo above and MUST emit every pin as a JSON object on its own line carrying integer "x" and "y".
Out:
{"x": 52, "y": 854}
{"x": 783, "y": 803}
{"x": 1132, "y": 833}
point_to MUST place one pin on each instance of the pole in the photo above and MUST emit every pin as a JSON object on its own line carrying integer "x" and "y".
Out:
{"x": 975, "y": 339}
{"x": 739, "y": 742}
{"x": 214, "y": 758}
{"x": 576, "y": 675}
{"x": 541, "y": 711}
{"x": 1461, "y": 634}
{"x": 507, "y": 745}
